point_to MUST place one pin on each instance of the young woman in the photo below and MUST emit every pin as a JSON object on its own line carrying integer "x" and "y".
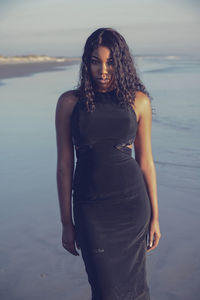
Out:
{"x": 114, "y": 195}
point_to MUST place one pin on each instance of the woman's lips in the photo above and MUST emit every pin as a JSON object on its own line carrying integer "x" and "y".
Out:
{"x": 102, "y": 81}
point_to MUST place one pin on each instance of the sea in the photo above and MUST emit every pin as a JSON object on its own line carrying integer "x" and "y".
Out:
{"x": 33, "y": 264}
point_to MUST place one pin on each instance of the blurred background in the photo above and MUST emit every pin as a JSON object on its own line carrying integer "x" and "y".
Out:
{"x": 61, "y": 27}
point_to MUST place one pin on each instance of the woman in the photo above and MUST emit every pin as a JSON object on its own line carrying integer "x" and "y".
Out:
{"x": 114, "y": 195}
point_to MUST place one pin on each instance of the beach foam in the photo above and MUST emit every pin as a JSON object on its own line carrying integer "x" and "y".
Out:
{"x": 35, "y": 58}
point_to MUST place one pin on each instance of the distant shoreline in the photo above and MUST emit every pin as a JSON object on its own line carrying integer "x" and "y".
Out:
{"x": 11, "y": 67}
{"x": 25, "y": 65}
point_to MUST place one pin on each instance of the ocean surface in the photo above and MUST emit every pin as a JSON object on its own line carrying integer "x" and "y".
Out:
{"x": 33, "y": 264}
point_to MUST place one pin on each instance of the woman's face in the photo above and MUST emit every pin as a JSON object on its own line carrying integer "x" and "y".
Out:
{"x": 102, "y": 69}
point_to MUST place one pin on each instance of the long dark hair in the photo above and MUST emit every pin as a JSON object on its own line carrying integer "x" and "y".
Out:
{"x": 127, "y": 82}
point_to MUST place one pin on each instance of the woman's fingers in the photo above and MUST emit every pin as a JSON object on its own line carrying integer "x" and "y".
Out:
{"x": 154, "y": 235}
{"x": 76, "y": 240}
{"x": 69, "y": 239}
{"x": 77, "y": 244}
{"x": 70, "y": 246}
{"x": 151, "y": 235}
{"x": 153, "y": 241}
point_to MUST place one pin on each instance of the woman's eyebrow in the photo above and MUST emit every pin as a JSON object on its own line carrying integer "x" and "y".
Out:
{"x": 95, "y": 56}
{"x": 99, "y": 59}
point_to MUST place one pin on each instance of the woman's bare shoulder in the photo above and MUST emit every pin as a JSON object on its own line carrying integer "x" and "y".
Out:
{"x": 68, "y": 97}
{"x": 67, "y": 101}
{"x": 141, "y": 98}
{"x": 142, "y": 103}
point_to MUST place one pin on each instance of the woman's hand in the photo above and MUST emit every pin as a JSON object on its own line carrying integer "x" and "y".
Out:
{"x": 69, "y": 239}
{"x": 154, "y": 235}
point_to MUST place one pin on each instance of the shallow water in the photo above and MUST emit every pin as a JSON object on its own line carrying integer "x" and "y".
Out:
{"x": 33, "y": 263}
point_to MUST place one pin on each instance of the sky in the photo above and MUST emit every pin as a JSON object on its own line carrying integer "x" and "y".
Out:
{"x": 61, "y": 27}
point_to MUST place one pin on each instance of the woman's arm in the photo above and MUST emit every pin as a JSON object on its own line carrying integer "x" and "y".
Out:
{"x": 65, "y": 167}
{"x": 144, "y": 157}
{"x": 65, "y": 156}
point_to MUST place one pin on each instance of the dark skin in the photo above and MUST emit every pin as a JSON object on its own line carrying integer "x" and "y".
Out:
{"x": 102, "y": 72}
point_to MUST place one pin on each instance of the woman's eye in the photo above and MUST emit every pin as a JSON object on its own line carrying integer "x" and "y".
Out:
{"x": 110, "y": 63}
{"x": 93, "y": 61}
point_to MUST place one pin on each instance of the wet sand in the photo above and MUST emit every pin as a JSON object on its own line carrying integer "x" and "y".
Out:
{"x": 11, "y": 70}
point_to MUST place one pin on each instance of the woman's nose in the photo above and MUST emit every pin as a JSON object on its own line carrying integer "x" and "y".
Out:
{"x": 103, "y": 69}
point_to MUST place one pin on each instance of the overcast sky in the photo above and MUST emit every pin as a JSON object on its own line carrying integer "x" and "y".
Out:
{"x": 61, "y": 27}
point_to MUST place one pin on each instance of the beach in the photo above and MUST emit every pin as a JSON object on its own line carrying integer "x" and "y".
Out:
{"x": 11, "y": 67}
{"x": 34, "y": 265}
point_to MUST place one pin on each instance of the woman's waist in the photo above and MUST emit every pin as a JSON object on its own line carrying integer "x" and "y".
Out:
{"x": 117, "y": 175}
{"x": 92, "y": 195}
{"x": 103, "y": 152}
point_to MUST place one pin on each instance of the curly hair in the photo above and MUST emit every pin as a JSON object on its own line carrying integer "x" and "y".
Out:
{"x": 127, "y": 81}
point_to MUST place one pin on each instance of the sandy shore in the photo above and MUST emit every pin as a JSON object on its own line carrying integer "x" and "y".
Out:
{"x": 10, "y": 70}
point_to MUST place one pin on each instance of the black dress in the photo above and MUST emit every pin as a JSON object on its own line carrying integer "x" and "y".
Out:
{"x": 111, "y": 206}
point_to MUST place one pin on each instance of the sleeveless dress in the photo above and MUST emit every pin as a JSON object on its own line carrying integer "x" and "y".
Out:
{"x": 111, "y": 207}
